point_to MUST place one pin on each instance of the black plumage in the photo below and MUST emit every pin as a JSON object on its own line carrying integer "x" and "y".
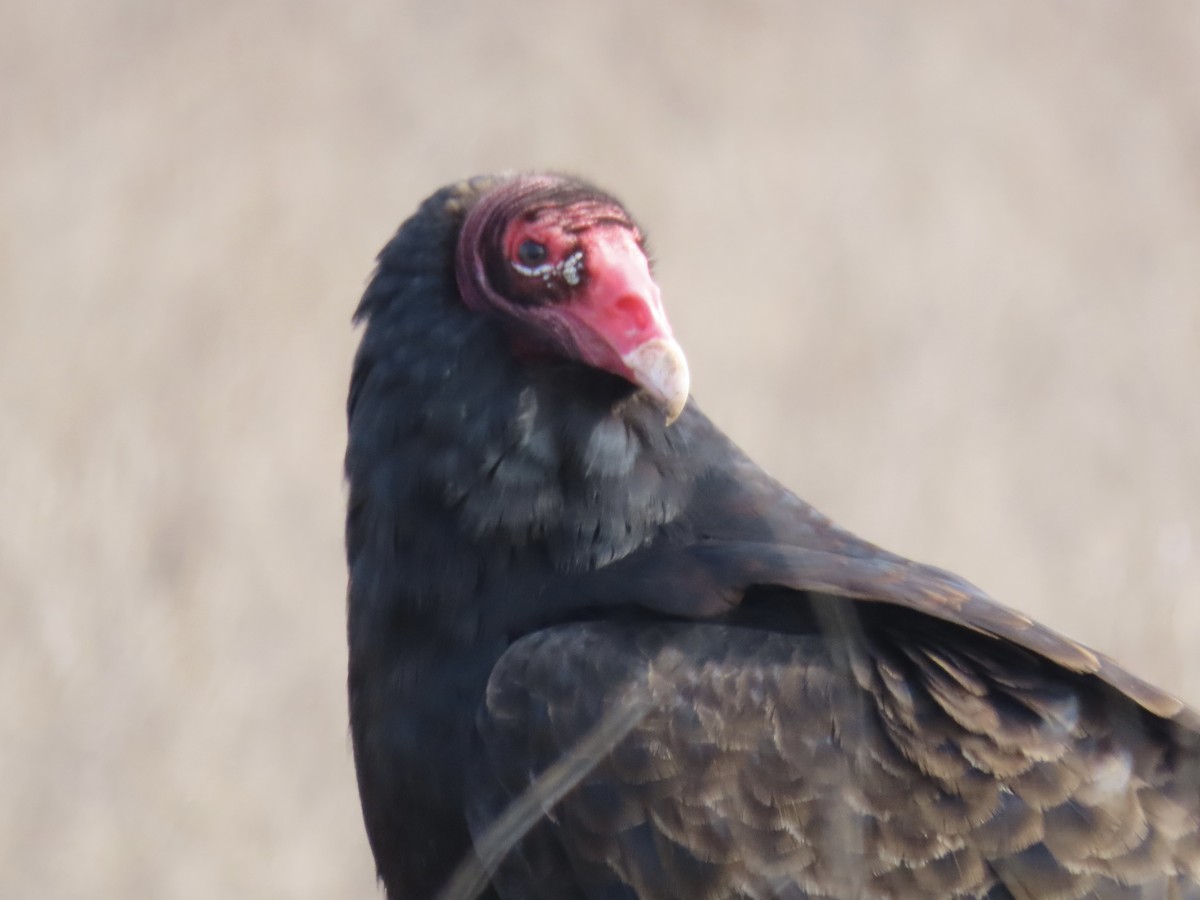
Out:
{"x": 530, "y": 544}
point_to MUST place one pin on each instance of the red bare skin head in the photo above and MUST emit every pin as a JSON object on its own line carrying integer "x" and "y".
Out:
{"x": 565, "y": 265}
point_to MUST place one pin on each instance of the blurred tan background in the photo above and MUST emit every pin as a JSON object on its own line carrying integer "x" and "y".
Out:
{"x": 937, "y": 266}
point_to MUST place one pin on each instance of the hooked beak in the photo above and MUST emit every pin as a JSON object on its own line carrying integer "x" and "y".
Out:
{"x": 623, "y": 326}
{"x": 660, "y": 369}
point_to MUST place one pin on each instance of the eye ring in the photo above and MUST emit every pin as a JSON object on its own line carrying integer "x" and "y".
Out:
{"x": 531, "y": 253}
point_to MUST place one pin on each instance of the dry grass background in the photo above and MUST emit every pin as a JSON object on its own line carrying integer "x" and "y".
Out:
{"x": 937, "y": 265}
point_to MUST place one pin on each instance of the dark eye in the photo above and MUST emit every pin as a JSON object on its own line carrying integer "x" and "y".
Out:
{"x": 531, "y": 253}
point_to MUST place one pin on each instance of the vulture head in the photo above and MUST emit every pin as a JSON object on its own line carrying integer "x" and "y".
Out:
{"x": 564, "y": 268}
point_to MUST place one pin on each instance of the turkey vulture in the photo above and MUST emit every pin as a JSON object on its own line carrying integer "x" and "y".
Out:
{"x": 571, "y": 595}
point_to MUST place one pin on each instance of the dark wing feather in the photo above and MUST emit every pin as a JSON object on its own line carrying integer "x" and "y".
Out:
{"x": 904, "y": 757}
{"x": 710, "y": 578}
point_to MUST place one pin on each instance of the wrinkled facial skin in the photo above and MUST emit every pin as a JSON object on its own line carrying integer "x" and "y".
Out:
{"x": 572, "y": 278}
{"x": 545, "y": 253}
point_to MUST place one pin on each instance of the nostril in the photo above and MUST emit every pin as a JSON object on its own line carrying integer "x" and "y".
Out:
{"x": 636, "y": 310}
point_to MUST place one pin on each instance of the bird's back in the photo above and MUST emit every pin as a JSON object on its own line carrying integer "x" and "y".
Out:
{"x": 884, "y": 756}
